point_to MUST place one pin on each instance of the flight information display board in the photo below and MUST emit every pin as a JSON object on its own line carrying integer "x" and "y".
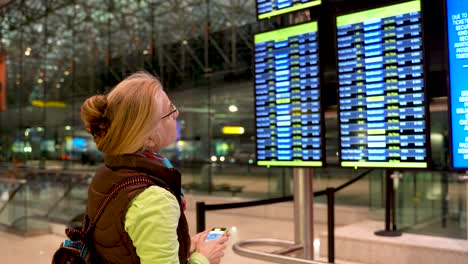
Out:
{"x": 457, "y": 23}
{"x": 383, "y": 112}
{"x": 270, "y": 8}
{"x": 287, "y": 97}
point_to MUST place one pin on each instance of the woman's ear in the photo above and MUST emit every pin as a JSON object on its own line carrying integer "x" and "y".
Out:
{"x": 149, "y": 143}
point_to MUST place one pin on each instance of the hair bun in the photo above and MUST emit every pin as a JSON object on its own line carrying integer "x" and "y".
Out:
{"x": 93, "y": 114}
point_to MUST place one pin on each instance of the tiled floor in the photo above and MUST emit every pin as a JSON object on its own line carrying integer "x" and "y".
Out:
{"x": 250, "y": 223}
{"x": 39, "y": 249}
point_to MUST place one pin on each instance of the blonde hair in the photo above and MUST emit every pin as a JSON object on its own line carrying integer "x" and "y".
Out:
{"x": 123, "y": 120}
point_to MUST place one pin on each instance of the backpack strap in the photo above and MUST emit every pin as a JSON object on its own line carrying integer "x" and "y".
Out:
{"x": 136, "y": 180}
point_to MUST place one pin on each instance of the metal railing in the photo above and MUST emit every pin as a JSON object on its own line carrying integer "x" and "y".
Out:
{"x": 277, "y": 256}
{"x": 27, "y": 200}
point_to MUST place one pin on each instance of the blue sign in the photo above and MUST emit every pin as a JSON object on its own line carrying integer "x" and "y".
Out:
{"x": 382, "y": 105}
{"x": 79, "y": 142}
{"x": 287, "y": 97}
{"x": 457, "y": 23}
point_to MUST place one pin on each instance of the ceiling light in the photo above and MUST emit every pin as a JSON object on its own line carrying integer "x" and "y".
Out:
{"x": 233, "y": 108}
{"x": 233, "y": 130}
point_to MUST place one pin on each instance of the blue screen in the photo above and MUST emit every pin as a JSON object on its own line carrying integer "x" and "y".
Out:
{"x": 179, "y": 129}
{"x": 287, "y": 97}
{"x": 381, "y": 88}
{"x": 79, "y": 142}
{"x": 270, "y": 8}
{"x": 457, "y": 22}
{"x": 212, "y": 236}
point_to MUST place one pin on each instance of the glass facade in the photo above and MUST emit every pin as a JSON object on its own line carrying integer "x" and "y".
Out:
{"x": 58, "y": 53}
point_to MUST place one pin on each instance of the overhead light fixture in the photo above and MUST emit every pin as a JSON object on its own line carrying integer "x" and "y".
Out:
{"x": 233, "y": 130}
{"x": 233, "y": 108}
{"x": 48, "y": 104}
{"x": 66, "y": 73}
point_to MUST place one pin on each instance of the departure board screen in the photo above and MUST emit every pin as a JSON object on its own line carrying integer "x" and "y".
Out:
{"x": 383, "y": 117}
{"x": 457, "y": 22}
{"x": 270, "y": 8}
{"x": 287, "y": 97}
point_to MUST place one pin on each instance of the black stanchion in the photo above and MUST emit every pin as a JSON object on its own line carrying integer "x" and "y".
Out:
{"x": 200, "y": 214}
{"x": 201, "y": 209}
{"x": 331, "y": 224}
{"x": 389, "y": 208}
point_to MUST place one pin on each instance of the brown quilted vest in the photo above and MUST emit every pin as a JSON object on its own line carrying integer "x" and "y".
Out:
{"x": 111, "y": 241}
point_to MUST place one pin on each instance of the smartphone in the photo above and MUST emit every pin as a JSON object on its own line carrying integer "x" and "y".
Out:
{"x": 216, "y": 232}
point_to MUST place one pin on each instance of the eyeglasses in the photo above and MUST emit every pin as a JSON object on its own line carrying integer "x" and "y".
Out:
{"x": 174, "y": 109}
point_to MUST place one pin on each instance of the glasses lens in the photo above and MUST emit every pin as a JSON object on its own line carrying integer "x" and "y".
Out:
{"x": 173, "y": 110}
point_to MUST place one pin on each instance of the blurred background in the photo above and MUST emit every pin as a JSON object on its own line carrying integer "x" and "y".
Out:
{"x": 56, "y": 53}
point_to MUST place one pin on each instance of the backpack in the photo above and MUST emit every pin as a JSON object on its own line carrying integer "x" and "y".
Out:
{"x": 77, "y": 249}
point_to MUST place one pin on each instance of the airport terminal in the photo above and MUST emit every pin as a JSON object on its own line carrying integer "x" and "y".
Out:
{"x": 317, "y": 131}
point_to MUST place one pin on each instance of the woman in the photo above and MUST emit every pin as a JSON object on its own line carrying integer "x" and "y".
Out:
{"x": 130, "y": 125}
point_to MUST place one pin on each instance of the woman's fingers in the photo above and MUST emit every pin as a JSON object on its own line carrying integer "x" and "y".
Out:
{"x": 202, "y": 236}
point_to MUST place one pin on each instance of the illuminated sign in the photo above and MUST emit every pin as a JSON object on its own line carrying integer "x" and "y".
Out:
{"x": 233, "y": 130}
{"x": 382, "y": 105}
{"x": 48, "y": 104}
{"x": 270, "y": 8}
{"x": 457, "y": 22}
{"x": 287, "y": 97}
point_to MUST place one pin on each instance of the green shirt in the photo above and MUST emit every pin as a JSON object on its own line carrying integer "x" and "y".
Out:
{"x": 151, "y": 222}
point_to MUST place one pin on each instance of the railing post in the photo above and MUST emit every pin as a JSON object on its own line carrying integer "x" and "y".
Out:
{"x": 200, "y": 214}
{"x": 303, "y": 210}
{"x": 389, "y": 206}
{"x": 331, "y": 224}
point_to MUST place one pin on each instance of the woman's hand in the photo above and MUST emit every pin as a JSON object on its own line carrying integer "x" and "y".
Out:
{"x": 194, "y": 240}
{"x": 213, "y": 249}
